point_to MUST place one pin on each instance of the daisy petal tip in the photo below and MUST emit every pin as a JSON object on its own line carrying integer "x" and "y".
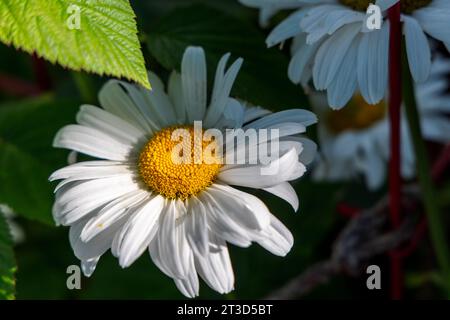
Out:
{"x": 124, "y": 262}
{"x": 57, "y": 140}
{"x": 88, "y": 266}
{"x": 335, "y": 106}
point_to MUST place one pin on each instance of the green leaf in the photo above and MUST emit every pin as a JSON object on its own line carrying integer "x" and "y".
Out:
{"x": 263, "y": 79}
{"x": 106, "y": 41}
{"x": 7, "y": 262}
{"x": 27, "y": 157}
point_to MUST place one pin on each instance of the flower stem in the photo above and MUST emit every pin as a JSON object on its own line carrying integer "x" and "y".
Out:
{"x": 44, "y": 82}
{"x": 395, "y": 100}
{"x": 435, "y": 223}
{"x": 85, "y": 87}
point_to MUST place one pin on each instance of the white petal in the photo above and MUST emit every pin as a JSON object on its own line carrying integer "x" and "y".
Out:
{"x": 193, "y": 80}
{"x": 154, "y": 106}
{"x": 158, "y": 104}
{"x": 252, "y": 113}
{"x": 309, "y": 151}
{"x": 171, "y": 240}
{"x": 286, "y": 29}
{"x": 75, "y": 200}
{"x": 190, "y": 285}
{"x": 215, "y": 268}
{"x": 276, "y": 238}
{"x": 233, "y": 115}
{"x": 373, "y": 167}
{"x": 222, "y": 224}
{"x": 175, "y": 91}
{"x": 284, "y": 129}
{"x": 300, "y": 116}
{"x": 88, "y": 266}
{"x": 301, "y": 59}
{"x": 248, "y": 154}
{"x": 109, "y": 124}
{"x": 283, "y": 169}
{"x": 265, "y": 14}
{"x": 138, "y": 231}
{"x": 332, "y": 21}
{"x": 286, "y": 192}
{"x": 343, "y": 86}
{"x": 196, "y": 226}
{"x": 155, "y": 254}
{"x": 316, "y": 17}
{"x": 92, "y": 188}
{"x": 372, "y": 64}
{"x": 111, "y": 213}
{"x": 244, "y": 208}
{"x": 331, "y": 53}
{"x": 434, "y": 21}
{"x": 222, "y": 87}
{"x": 418, "y": 49}
{"x": 93, "y": 249}
{"x": 90, "y": 170}
{"x": 115, "y": 98}
{"x": 436, "y": 128}
{"x": 91, "y": 142}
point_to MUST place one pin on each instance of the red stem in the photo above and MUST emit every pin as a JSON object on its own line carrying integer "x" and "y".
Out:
{"x": 347, "y": 211}
{"x": 417, "y": 236}
{"x": 395, "y": 100}
{"x": 17, "y": 87}
{"x": 441, "y": 163}
{"x": 41, "y": 73}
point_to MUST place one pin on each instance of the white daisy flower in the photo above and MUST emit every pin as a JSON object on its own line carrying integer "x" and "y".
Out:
{"x": 332, "y": 45}
{"x": 421, "y": 17}
{"x": 355, "y": 140}
{"x": 138, "y": 199}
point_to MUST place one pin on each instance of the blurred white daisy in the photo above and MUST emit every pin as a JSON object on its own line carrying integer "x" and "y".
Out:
{"x": 420, "y": 17}
{"x": 354, "y": 141}
{"x": 332, "y": 45}
{"x": 138, "y": 199}
{"x": 17, "y": 232}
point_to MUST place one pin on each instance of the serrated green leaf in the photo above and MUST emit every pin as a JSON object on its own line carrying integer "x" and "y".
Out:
{"x": 263, "y": 78}
{"x": 7, "y": 262}
{"x": 27, "y": 157}
{"x": 106, "y": 41}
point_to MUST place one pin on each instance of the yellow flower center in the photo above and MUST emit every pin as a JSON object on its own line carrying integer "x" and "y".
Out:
{"x": 357, "y": 115}
{"x": 178, "y": 167}
{"x": 407, "y": 6}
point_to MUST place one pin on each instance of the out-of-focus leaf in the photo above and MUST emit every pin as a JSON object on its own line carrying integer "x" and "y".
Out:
{"x": 7, "y": 262}
{"x": 416, "y": 279}
{"x": 27, "y": 157}
{"x": 444, "y": 196}
{"x": 105, "y": 40}
{"x": 147, "y": 11}
{"x": 263, "y": 79}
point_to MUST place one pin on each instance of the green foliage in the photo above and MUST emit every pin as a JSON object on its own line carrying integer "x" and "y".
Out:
{"x": 105, "y": 43}
{"x": 263, "y": 78}
{"x": 7, "y": 262}
{"x": 27, "y": 157}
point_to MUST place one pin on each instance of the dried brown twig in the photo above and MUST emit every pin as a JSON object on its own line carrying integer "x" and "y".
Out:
{"x": 361, "y": 239}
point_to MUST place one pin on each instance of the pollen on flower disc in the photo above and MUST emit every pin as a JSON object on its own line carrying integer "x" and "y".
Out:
{"x": 162, "y": 171}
